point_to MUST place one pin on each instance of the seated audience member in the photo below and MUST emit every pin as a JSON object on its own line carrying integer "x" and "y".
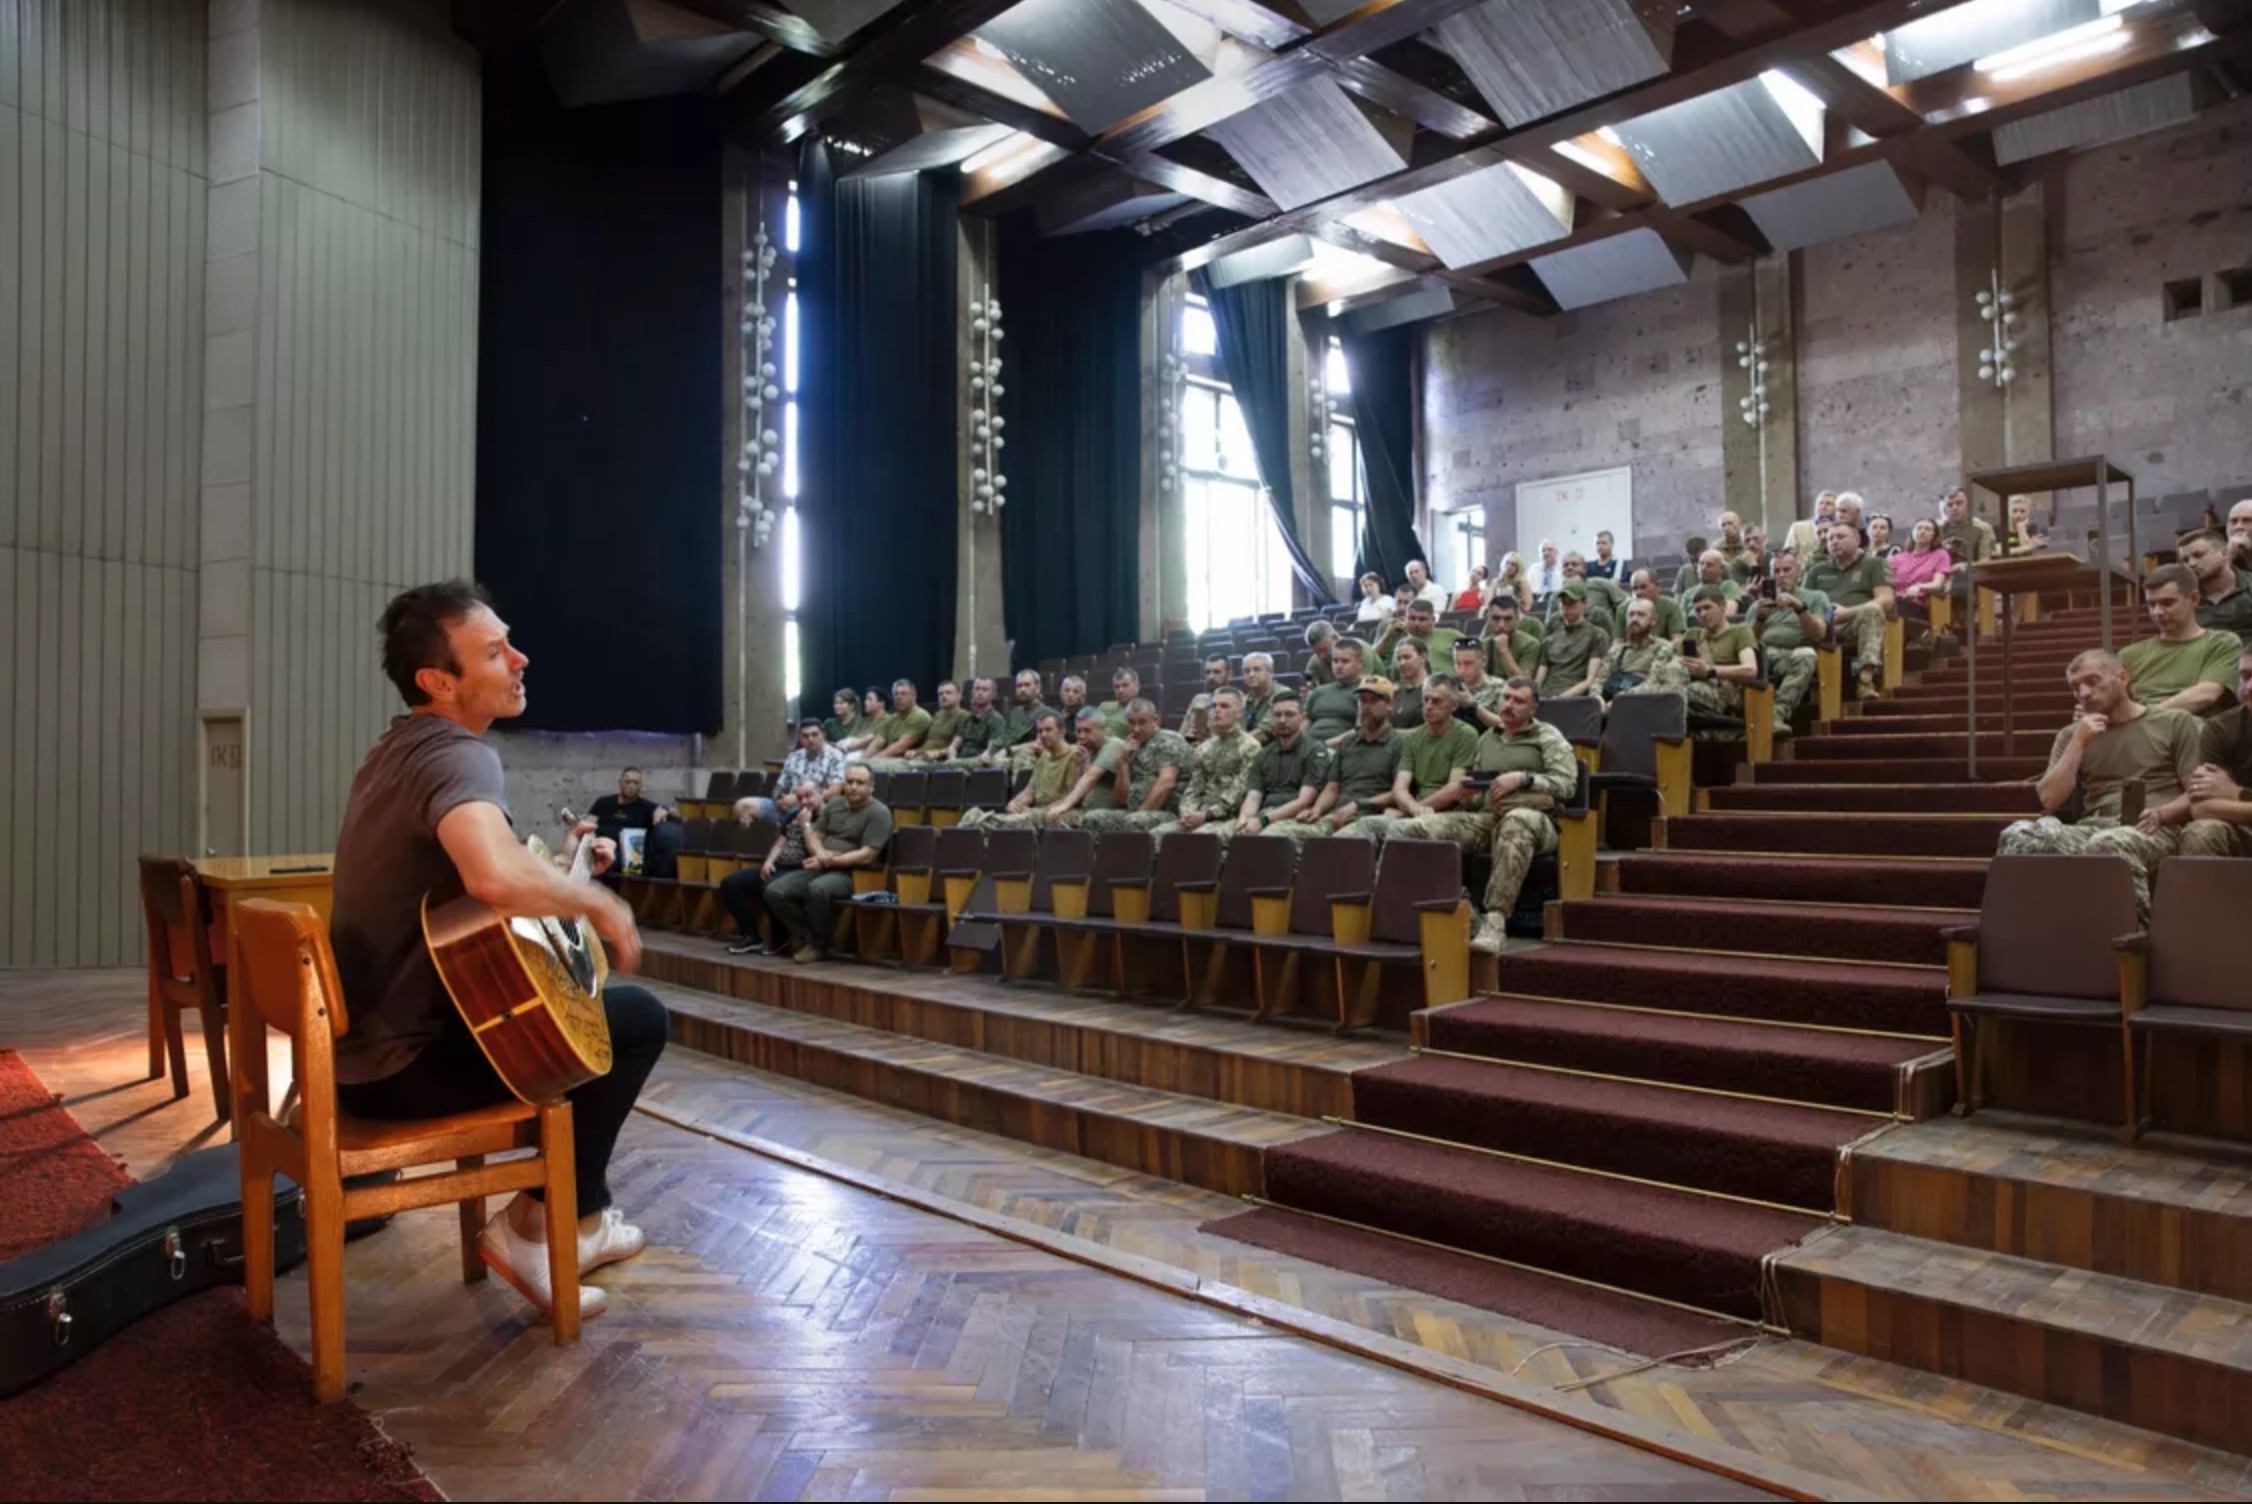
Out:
{"x": 845, "y": 721}
{"x": 1512, "y": 647}
{"x": 813, "y": 764}
{"x": 1789, "y": 627}
{"x": 1976, "y": 533}
{"x": 1196, "y": 721}
{"x": 1287, "y": 775}
{"x": 1513, "y": 582}
{"x": 1149, "y": 775}
{"x": 2186, "y": 666}
{"x": 1880, "y": 537}
{"x": 945, "y": 726}
{"x": 1377, "y": 604}
{"x": 1331, "y": 708}
{"x": 1849, "y": 512}
{"x": 1689, "y": 575}
{"x": 1219, "y": 775}
{"x": 1712, "y": 572}
{"x": 1435, "y": 760}
{"x": 1125, "y": 689}
{"x": 1923, "y": 568}
{"x": 1807, "y": 536}
{"x": 1056, "y": 765}
{"x": 984, "y": 730}
{"x": 1670, "y": 620}
{"x": 1719, "y": 657}
{"x": 1362, "y": 771}
{"x": 900, "y": 735}
{"x": 1425, "y": 588}
{"x": 1021, "y": 721}
{"x": 1422, "y": 624}
{"x": 1321, "y": 641}
{"x": 1411, "y": 661}
{"x": 857, "y": 732}
{"x": 743, "y": 891}
{"x": 1481, "y": 692}
{"x": 1472, "y": 596}
{"x": 1573, "y": 652}
{"x": 2112, "y": 742}
{"x": 1730, "y": 547}
{"x": 1097, "y": 787}
{"x": 626, "y": 809}
{"x": 1859, "y": 588}
{"x": 1642, "y": 660}
{"x": 1071, "y": 698}
{"x": 2240, "y": 533}
{"x": 2224, "y": 592}
{"x": 2220, "y": 790}
{"x": 873, "y": 705}
{"x": 1605, "y": 600}
{"x": 1603, "y": 566}
{"x": 1258, "y": 692}
{"x": 850, "y": 832}
{"x": 1549, "y": 577}
{"x": 2027, "y": 534}
{"x": 1533, "y": 770}
{"x": 1402, "y": 598}
{"x": 1755, "y": 564}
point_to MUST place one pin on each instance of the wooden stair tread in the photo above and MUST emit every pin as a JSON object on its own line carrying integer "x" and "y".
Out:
{"x": 2038, "y": 1152}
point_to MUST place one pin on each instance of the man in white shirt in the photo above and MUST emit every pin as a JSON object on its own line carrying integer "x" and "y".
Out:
{"x": 1425, "y": 588}
{"x": 1550, "y": 574}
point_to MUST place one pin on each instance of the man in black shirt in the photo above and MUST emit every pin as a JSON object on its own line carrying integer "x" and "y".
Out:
{"x": 614, "y": 814}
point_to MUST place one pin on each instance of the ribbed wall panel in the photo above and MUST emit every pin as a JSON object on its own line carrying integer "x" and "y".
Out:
{"x": 101, "y": 378}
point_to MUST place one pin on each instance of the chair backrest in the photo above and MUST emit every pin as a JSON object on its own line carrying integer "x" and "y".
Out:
{"x": 1065, "y": 855}
{"x": 759, "y": 839}
{"x": 750, "y": 784}
{"x": 1580, "y": 719}
{"x": 2198, "y": 902}
{"x": 697, "y": 835}
{"x": 1327, "y": 868}
{"x": 1011, "y": 853}
{"x": 1182, "y": 859}
{"x": 908, "y": 789}
{"x": 1409, "y": 873}
{"x": 961, "y": 848}
{"x": 717, "y": 785}
{"x": 882, "y": 783}
{"x": 288, "y": 975}
{"x": 1120, "y": 857}
{"x": 1633, "y": 727}
{"x": 1253, "y": 862}
{"x": 988, "y": 788}
{"x": 945, "y": 789}
{"x": 913, "y": 846}
{"x": 178, "y": 915}
{"x": 2047, "y": 923}
{"x": 1174, "y": 699}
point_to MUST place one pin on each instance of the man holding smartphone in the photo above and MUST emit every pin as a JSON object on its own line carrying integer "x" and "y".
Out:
{"x": 1719, "y": 658}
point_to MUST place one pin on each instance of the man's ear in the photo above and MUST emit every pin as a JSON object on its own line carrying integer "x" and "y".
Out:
{"x": 436, "y": 683}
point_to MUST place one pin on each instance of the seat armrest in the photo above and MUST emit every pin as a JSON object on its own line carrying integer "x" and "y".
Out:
{"x": 1010, "y": 877}
{"x": 1356, "y": 900}
{"x": 959, "y": 872}
{"x": 1437, "y": 905}
{"x": 1269, "y": 893}
{"x": 1210, "y": 885}
{"x": 912, "y": 871}
{"x": 1966, "y": 934}
{"x": 2137, "y": 943}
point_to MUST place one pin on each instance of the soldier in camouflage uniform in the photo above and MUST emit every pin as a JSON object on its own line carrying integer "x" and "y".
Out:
{"x": 2112, "y": 742}
{"x": 1221, "y": 773}
{"x": 1479, "y": 688}
{"x": 1642, "y": 661}
{"x": 1434, "y": 760}
{"x": 1788, "y": 627}
{"x": 1149, "y": 775}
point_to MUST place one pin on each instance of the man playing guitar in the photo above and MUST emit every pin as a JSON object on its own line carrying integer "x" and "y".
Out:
{"x": 428, "y": 813}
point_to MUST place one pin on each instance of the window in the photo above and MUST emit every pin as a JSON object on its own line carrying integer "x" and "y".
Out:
{"x": 1237, "y": 562}
{"x": 792, "y": 683}
{"x": 1461, "y": 542}
{"x": 1348, "y": 484}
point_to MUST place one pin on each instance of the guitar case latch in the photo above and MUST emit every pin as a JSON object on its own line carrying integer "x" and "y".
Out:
{"x": 58, "y": 1316}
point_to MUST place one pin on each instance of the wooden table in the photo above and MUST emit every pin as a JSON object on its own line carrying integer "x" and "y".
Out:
{"x": 236, "y": 879}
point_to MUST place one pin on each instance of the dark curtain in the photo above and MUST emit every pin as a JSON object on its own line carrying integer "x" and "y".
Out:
{"x": 599, "y": 476}
{"x": 1382, "y": 368}
{"x": 879, "y": 401}
{"x": 1071, "y": 395}
{"x": 1253, "y": 319}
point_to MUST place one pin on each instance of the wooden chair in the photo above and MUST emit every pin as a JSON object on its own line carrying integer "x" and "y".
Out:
{"x": 288, "y": 982}
{"x": 183, "y": 974}
{"x": 2182, "y": 980}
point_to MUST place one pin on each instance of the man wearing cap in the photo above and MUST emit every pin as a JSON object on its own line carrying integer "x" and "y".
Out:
{"x": 1361, "y": 771}
{"x": 1605, "y": 600}
{"x": 1434, "y": 763}
{"x": 1572, "y": 653}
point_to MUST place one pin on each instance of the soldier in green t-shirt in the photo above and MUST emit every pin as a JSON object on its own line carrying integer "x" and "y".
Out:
{"x": 983, "y": 728}
{"x": 1789, "y": 626}
{"x": 945, "y": 725}
{"x": 1720, "y": 658}
{"x": 2224, "y": 592}
{"x": 2186, "y": 666}
{"x": 1860, "y": 590}
{"x": 1334, "y": 706}
{"x": 1669, "y": 620}
{"x": 1512, "y": 648}
{"x": 1435, "y": 758}
{"x": 1361, "y": 770}
{"x": 901, "y": 734}
{"x": 1572, "y": 653}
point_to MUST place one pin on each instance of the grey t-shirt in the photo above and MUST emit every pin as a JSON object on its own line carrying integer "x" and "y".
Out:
{"x": 845, "y": 830}
{"x": 387, "y": 857}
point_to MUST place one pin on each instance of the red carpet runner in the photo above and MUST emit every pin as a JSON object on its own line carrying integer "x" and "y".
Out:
{"x": 196, "y": 1402}
{"x": 1656, "y": 1100}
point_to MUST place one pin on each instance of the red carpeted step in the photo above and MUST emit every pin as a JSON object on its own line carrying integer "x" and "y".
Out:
{"x": 1877, "y": 713}
{"x": 1770, "y": 1060}
{"x": 1838, "y": 932}
{"x": 2044, "y": 698}
{"x": 1837, "y": 835}
{"x": 1847, "y": 880}
{"x": 2031, "y": 742}
{"x": 1906, "y": 770}
{"x": 1696, "y": 1140}
{"x": 1832, "y": 994}
{"x": 1896, "y": 798}
{"x": 1938, "y": 723}
{"x": 1673, "y": 1244}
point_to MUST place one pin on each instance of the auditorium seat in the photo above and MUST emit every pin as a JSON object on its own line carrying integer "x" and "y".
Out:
{"x": 1064, "y": 861}
{"x": 1146, "y": 915}
{"x": 1415, "y": 917}
{"x": 1122, "y": 859}
{"x": 2185, "y": 980}
{"x": 1214, "y": 913}
{"x": 1327, "y": 871}
{"x": 987, "y": 789}
{"x": 878, "y": 930}
{"x": 905, "y": 799}
{"x": 1645, "y": 756}
{"x": 1581, "y": 721}
{"x": 944, "y": 796}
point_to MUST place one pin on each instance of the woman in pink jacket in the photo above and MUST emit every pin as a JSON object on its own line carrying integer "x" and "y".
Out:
{"x": 1921, "y": 569}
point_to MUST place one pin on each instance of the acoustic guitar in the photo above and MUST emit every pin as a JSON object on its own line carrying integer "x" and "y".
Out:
{"x": 529, "y": 989}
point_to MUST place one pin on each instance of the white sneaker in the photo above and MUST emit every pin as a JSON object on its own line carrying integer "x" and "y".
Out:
{"x": 615, "y": 1241}
{"x": 1491, "y": 936}
{"x": 524, "y": 1264}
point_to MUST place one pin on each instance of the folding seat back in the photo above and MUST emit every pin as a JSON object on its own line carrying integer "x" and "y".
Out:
{"x": 1121, "y": 858}
{"x": 1065, "y": 856}
{"x": 2199, "y": 902}
{"x": 1254, "y": 864}
{"x": 1181, "y": 859}
{"x": 2047, "y": 924}
{"x": 1328, "y": 869}
{"x": 1407, "y": 874}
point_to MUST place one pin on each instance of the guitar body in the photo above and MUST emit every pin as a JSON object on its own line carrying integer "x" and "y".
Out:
{"x": 530, "y": 991}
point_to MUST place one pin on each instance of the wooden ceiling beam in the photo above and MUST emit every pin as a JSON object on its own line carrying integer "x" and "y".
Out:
{"x": 894, "y": 43}
{"x": 785, "y": 28}
{"x": 998, "y": 108}
{"x": 1151, "y": 167}
{"x": 1424, "y": 264}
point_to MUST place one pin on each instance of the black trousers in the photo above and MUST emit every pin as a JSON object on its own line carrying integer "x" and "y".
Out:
{"x": 454, "y": 1076}
{"x": 743, "y": 891}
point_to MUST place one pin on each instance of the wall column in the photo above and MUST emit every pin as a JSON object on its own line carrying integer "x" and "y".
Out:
{"x": 752, "y": 668}
{"x": 2007, "y": 240}
{"x": 981, "y": 641}
{"x": 1165, "y": 570}
{"x": 1759, "y": 462}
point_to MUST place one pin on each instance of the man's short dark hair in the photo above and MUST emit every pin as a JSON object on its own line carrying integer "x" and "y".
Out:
{"x": 1519, "y": 681}
{"x": 415, "y": 629}
{"x": 636, "y": 772}
{"x": 2177, "y": 575}
{"x": 2210, "y": 535}
{"x": 1420, "y": 604}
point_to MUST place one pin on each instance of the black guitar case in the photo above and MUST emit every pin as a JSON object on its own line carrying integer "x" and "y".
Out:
{"x": 174, "y": 1236}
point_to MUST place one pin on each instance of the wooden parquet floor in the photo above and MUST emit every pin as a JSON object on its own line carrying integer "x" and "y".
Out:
{"x": 1868, "y": 1428}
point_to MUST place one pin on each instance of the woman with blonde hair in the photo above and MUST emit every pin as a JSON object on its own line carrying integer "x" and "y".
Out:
{"x": 1513, "y": 580}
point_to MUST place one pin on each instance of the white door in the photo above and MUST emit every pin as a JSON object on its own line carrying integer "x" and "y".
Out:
{"x": 1571, "y": 509}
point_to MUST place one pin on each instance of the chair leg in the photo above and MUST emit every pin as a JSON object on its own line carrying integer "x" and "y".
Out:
{"x": 473, "y": 1217}
{"x": 1961, "y": 1031}
{"x": 257, "y": 1241}
{"x": 324, "y": 1279}
{"x": 562, "y": 1208}
{"x": 176, "y": 1046}
{"x": 157, "y": 1010}
{"x": 215, "y": 1057}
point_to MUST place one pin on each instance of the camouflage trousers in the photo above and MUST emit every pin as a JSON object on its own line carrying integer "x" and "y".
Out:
{"x": 1221, "y": 826}
{"x": 2216, "y": 838}
{"x": 1792, "y": 669}
{"x": 2142, "y": 850}
{"x": 1514, "y": 837}
{"x": 1860, "y": 633}
{"x": 1111, "y": 821}
{"x": 1298, "y": 832}
{"x": 988, "y": 819}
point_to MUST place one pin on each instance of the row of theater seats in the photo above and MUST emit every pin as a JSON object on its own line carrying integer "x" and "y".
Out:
{"x": 1343, "y": 933}
{"x": 938, "y": 796}
{"x": 2058, "y": 944}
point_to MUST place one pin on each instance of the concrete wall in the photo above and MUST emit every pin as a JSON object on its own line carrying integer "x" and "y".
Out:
{"x": 1510, "y": 398}
{"x": 102, "y": 191}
